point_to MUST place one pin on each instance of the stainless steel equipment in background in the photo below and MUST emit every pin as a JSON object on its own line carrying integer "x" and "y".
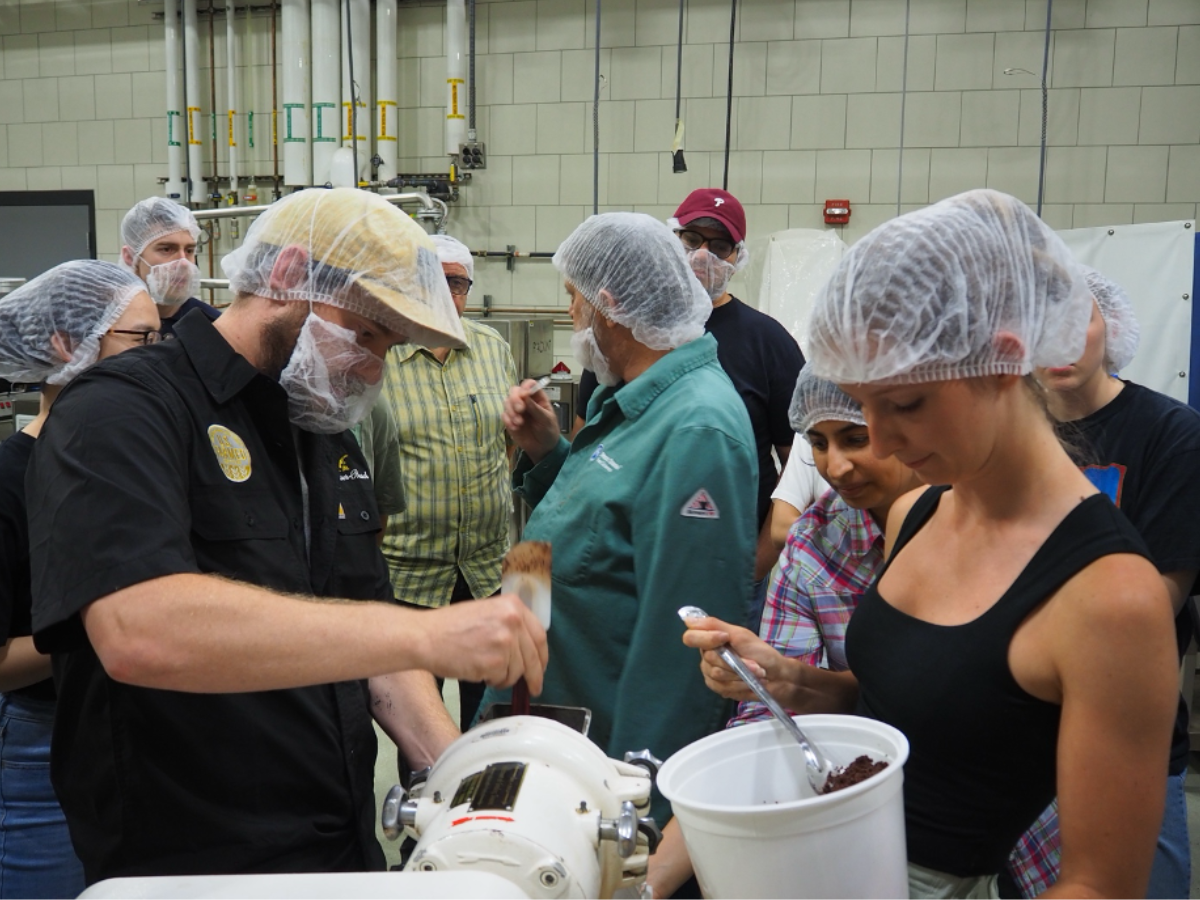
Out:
{"x": 17, "y": 408}
{"x": 531, "y": 340}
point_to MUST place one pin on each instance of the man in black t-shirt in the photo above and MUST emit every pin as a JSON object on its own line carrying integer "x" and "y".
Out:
{"x": 158, "y": 245}
{"x": 1142, "y": 449}
{"x": 195, "y": 499}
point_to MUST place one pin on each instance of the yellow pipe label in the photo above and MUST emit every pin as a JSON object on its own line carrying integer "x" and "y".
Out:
{"x": 232, "y": 142}
{"x": 350, "y": 120}
{"x": 192, "y": 125}
{"x": 383, "y": 120}
{"x": 454, "y": 83}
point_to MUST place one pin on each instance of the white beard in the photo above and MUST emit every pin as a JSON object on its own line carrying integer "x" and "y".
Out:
{"x": 587, "y": 351}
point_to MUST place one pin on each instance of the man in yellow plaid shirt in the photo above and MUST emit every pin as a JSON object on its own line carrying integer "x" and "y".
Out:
{"x": 448, "y": 543}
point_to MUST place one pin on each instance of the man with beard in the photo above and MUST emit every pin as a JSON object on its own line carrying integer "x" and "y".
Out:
{"x": 158, "y": 245}
{"x": 198, "y": 502}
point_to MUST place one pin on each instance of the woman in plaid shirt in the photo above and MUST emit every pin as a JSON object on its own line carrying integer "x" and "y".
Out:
{"x": 835, "y": 549}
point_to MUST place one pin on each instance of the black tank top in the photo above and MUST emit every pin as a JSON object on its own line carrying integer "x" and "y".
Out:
{"x": 982, "y": 761}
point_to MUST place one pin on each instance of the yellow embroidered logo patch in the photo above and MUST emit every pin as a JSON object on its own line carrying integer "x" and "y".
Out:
{"x": 232, "y": 455}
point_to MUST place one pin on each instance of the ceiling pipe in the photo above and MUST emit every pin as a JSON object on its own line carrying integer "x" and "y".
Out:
{"x": 176, "y": 189}
{"x": 191, "y": 87}
{"x": 297, "y": 73}
{"x": 456, "y": 95}
{"x": 387, "y": 86}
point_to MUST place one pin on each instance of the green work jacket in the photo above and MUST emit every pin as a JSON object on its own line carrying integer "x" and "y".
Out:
{"x": 652, "y": 508}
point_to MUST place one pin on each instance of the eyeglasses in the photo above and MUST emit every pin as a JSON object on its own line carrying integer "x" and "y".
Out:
{"x": 694, "y": 240}
{"x": 459, "y": 285}
{"x": 139, "y": 337}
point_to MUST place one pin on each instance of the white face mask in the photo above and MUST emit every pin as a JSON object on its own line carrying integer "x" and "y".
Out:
{"x": 712, "y": 271}
{"x": 172, "y": 283}
{"x": 326, "y": 378}
{"x": 587, "y": 351}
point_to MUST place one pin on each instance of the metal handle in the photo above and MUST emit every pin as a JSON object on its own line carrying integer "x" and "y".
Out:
{"x": 816, "y": 762}
{"x": 646, "y": 760}
{"x": 623, "y": 830}
{"x": 398, "y": 813}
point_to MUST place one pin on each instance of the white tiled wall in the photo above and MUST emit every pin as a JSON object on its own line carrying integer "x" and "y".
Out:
{"x": 816, "y": 112}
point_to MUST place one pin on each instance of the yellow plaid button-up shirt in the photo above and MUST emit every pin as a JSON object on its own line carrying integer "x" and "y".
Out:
{"x": 453, "y": 467}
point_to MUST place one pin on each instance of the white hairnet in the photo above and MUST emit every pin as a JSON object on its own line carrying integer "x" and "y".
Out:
{"x": 452, "y": 250}
{"x": 78, "y": 301}
{"x": 925, "y": 297}
{"x": 352, "y": 249}
{"x": 1121, "y": 331}
{"x": 816, "y": 400}
{"x": 153, "y": 218}
{"x": 640, "y": 264}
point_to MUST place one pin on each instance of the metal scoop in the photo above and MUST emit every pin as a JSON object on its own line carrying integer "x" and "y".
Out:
{"x": 817, "y": 766}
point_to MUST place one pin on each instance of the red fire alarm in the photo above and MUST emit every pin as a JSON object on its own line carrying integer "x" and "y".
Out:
{"x": 837, "y": 212}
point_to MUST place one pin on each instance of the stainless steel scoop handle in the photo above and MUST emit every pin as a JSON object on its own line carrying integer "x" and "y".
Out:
{"x": 817, "y": 765}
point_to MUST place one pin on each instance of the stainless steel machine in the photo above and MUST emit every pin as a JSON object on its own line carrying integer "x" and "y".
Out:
{"x": 531, "y": 340}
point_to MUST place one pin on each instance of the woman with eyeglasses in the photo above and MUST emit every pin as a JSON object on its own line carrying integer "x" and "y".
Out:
{"x": 51, "y": 329}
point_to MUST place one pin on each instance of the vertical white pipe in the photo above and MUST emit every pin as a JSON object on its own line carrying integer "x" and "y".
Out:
{"x": 456, "y": 93}
{"x": 191, "y": 87}
{"x": 297, "y": 70}
{"x": 360, "y": 91}
{"x": 176, "y": 128}
{"x": 251, "y": 195}
{"x": 326, "y": 86}
{"x": 387, "y": 87}
{"x": 231, "y": 82}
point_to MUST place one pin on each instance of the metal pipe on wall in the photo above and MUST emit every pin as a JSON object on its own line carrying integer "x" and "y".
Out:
{"x": 387, "y": 86}
{"x": 212, "y": 98}
{"x": 356, "y": 87}
{"x": 456, "y": 120}
{"x": 176, "y": 189}
{"x": 231, "y": 61}
{"x": 297, "y": 72}
{"x": 326, "y": 86}
{"x": 424, "y": 200}
{"x": 191, "y": 86}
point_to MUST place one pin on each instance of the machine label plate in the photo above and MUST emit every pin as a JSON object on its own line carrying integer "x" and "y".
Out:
{"x": 496, "y": 787}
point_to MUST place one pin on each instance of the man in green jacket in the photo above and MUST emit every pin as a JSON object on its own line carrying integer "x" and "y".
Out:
{"x": 653, "y": 505}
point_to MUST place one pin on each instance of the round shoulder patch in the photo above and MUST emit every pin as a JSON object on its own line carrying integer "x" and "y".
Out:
{"x": 232, "y": 455}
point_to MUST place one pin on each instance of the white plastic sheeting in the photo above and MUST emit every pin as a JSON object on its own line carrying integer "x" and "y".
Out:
{"x": 785, "y": 272}
{"x": 1155, "y": 265}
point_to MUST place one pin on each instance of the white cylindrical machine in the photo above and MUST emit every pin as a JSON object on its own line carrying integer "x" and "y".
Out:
{"x": 176, "y": 189}
{"x": 231, "y": 63}
{"x": 387, "y": 87}
{"x": 456, "y": 95}
{"x": 297, "y": 70}
{"x": 191, "y": 88}
{"x": 534, "y": 802}
{"x": 356, "y": 88}
{"x": 326, "y": 86}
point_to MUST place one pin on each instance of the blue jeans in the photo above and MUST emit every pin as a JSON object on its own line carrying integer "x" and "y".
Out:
{"x": 36, "y": 857}
{"x": 1171, "y": 874}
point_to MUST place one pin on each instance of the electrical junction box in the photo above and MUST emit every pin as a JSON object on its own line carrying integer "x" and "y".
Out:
{"x": 472, "y": 155}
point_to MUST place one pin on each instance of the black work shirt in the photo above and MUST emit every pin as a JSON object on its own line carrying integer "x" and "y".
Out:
{"x": 15, "y": 602}
{"x": 763, "y": 361}
{"x": 169, "y": 322}
{"x": 179, "y": 458}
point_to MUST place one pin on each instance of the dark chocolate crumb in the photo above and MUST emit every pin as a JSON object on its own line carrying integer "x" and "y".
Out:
{"x": 860, "y": 770}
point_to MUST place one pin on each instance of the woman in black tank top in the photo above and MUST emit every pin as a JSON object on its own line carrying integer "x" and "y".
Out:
{"x": 1018, "y": 634}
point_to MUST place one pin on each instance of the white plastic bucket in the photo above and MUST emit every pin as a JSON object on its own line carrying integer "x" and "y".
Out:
{"x": 755, "y": 828}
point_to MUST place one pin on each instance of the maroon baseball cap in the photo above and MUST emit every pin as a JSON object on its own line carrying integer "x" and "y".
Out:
{"x": 714, "y": 203}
